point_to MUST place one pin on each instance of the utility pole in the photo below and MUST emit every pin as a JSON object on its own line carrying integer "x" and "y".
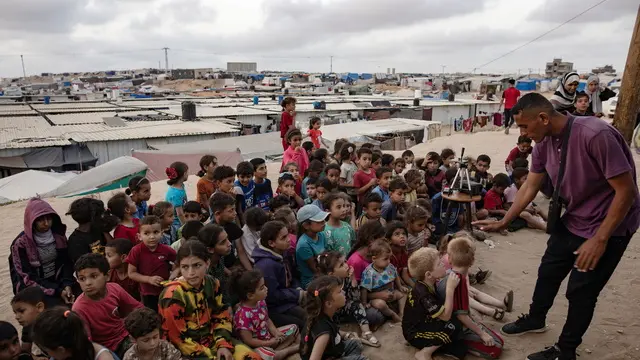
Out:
{"x": 24, "y": 72}
{"x": 443, "y": 66}
{"x": 166, "y": 59}
{"x": 331, "y": 64}
{"x": 629, "y": 99}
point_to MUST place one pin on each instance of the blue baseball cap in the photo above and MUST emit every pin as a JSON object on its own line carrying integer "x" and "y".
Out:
{"x": 312, "y": 213}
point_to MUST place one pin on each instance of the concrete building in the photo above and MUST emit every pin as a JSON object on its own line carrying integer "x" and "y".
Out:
{"x": 242, "y": 67}
{"x": 203, "y": 73}
{"x": 558, "y": 68}
{"x": 183, "y": 74}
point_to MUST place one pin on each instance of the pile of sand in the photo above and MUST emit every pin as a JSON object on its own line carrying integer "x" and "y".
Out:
{"x": 514, "y": 262}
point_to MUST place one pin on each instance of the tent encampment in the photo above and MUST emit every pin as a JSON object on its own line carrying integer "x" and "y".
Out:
{"x": 31, "y": 183}
{"x": 111, "y": 175}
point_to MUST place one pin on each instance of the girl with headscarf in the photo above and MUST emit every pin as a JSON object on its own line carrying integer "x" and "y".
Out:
{"x": 597, "y": 95}
{"x": 563, "y": 99}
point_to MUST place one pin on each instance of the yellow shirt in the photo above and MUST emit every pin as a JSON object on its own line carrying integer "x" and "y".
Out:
{"x": 411, "y": 197}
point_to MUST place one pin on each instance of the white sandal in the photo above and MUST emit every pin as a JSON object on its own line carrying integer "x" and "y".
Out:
{"x": 369, "y": 339}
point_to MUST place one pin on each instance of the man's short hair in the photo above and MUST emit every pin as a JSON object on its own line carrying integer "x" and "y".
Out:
{"x": 533, "y": 101}
{"x": 423, "y": 260}
{"x": 462, "y": 252}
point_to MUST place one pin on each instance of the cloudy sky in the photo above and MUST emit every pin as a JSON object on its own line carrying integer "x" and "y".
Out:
{"x": 361, "y": 35}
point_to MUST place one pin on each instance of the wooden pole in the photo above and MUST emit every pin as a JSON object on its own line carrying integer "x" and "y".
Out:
{"x": 629, "y": 100}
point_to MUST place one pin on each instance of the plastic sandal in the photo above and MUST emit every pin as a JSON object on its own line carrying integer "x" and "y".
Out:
{"x": 498, "y": 314}
{"x": 369, "y": 339}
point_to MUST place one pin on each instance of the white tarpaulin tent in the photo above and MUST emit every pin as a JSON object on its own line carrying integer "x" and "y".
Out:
{"x": 357, "y": 129}
{"x": 31, "y": 183}
{"x": 108, "y": 176}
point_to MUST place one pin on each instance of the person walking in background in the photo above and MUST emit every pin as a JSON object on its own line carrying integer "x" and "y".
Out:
{"x": 509, "y": 99}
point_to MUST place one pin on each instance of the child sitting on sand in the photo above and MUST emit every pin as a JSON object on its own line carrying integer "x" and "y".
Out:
{"x": 382, "y": 277}
{"x": 461, "y": 254}
{"x": 535, "y": 218}
{"x": 322, "y": 338}
{"x": 427, "y": 324}
{"x": 478, "y": 300}
{"x": 522, "y": 150}
{"x": 251, "y": 320}
{"x": 144, "y": 327}
{"x": 334, "y": 264}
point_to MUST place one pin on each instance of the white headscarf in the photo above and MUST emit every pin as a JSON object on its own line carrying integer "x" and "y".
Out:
{"x": 563, "y": 99}
{"x": 594, "y": 97}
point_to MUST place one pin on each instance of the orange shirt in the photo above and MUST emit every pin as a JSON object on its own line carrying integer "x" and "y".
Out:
{"x": 205, "y": 187}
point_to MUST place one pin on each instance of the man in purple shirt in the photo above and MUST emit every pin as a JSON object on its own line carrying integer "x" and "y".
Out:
{"x": 602, "y": 213}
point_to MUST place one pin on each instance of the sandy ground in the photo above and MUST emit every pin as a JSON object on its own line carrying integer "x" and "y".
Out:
{"x": 514, "y": 262}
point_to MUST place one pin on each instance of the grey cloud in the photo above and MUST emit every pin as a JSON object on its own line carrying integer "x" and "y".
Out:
{"x": 558, "y": 11}
{"x": 360, "y": 15}
{"x": 49, "y": 16}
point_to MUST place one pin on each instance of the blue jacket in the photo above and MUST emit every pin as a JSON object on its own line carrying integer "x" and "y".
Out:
{"x": 283, "y": 294}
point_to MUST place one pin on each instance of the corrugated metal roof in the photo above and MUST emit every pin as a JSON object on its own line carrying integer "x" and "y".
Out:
{"x": 93, "y": 117}
{"x": 73, "y": 105}
{"x": 7, "y": 108}
{"x": 142, "y": 130}
{"x": 13, "y": 138}
{"x": 87, "y": 110}
{"x": 24, "y": 112}
{"x": 229, "y": 111}
{"x": 23, "y": 122}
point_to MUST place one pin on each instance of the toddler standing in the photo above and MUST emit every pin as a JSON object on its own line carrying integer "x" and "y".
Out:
{"x": 150, "y": 262}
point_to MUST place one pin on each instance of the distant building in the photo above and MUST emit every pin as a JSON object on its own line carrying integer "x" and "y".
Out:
{"x": 558, "y": 68}
{"x": 607, "y": 69}
{"x": 203, "y": 73}
{"x": 242, "y": 67}
{"x": 185, "y": 74}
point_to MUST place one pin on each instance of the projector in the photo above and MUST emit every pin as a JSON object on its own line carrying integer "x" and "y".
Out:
{"x": 476, "y": 187}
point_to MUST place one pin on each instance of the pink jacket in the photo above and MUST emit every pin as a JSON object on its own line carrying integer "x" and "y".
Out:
{"x": 297, "y": 156}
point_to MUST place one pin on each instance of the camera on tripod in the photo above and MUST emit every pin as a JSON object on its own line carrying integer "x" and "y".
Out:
{"x": 462, "y": 182}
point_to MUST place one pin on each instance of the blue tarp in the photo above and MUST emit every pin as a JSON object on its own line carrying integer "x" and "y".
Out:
{"x": 582, "y": 85}
{"x": 258, "y": 77}
{"x": 366, "y": 76}
{"x": 526, "y": 85}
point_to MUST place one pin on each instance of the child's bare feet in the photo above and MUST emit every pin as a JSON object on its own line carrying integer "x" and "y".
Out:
{"x": 425, "y": 354}
{"x": 396, "y": 318}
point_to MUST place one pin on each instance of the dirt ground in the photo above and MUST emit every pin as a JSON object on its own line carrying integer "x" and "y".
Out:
{"x": 514, "y": 261}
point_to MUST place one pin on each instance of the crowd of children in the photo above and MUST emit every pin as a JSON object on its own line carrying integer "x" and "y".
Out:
{"x": 248, "y": 273}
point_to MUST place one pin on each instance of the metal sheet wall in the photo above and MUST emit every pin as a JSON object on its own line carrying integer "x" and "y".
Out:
{"x": 109, "y": 150}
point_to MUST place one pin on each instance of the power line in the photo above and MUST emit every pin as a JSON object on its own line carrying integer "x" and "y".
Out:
{"x": 542, "y": 35}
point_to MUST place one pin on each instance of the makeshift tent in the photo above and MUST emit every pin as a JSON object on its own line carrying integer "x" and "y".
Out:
{"x": 72, "y": 157}
{"x": 111, "y": 175}
{"x": 31, "y": 183}
{"x": 526, "y": 85}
